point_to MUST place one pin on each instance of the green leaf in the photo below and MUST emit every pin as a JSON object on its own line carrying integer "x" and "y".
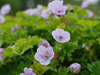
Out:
{"x": 98, "y": 40}
{"x": 9, "y": 51}
{"x": 88, "y": 24}
{"x": 68, "y": 48}
{"x": 94, "y": 67}
{"x": 63, "y": 71}
{"x": 21, "y": 46}
{"x": 38, "y": 68}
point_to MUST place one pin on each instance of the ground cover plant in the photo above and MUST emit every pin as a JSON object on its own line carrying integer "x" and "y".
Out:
{"x": 52, "y": 40}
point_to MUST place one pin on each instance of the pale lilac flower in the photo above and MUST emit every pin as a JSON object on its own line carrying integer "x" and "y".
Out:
{"x": 5, "y": 9}
{"x": 93, "y": 1}
{"x": 28, "y": 71}
{"x": 45, "y": 13}
{"x": 39, "y": 7}
{"x": 1, "y": 58}
{"x": 2, "y": 19}
{"x": 90, "y": 14}
{"x": 1, "y": 51}
{"x": 15, "y": 28}
{"x": 57, "y": 7}
{"x": 85, "y": 4}
{"x": 55, "y": 3}
{"x": 28, "y": 11}
{"x": 44, "y": 43}
{"x": 86, "y": 47}
{"x": 44, "y": 55}
{"x": 61, "y": 36}
{"x": 75, "y": 67}
{"x": 83, "y": 46}
{"x": 35, "y": 11}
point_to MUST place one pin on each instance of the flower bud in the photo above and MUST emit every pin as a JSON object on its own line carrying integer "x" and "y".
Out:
{"x": 75, "y": 68}
{"x": 71, "y": 10}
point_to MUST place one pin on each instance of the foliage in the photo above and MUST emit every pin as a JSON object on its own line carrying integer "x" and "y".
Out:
{"x": 94, "y": 67}
{"x": 20, "y": 46}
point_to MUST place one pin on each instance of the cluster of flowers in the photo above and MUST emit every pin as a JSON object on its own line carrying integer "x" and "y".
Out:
{"x": 1, "y": 51}
{"x": 74, "y": 68}
{"x": 28, "y": 71}
{"x": 37, "y": 11}
{"x": 86, "y": 3}
{"x": 5, "y": 9}
{"x": 56, "y": 7}
{"x": 45, "y": 52}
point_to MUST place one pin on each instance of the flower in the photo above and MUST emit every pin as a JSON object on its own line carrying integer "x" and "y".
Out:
{"x": 31, "y": 11}
{"x": 44, "y": 55}
{"x": 5, "y": 9}
{"x": 90, "y": 14}
{"x": 61, "y": 36}
{"x": 85, "y": 4}
{"x": 14, "y": 29}
{"x": 57, "y": 7}
{"x": 28, "y": 11}
{"x": 2, "y": 19}
{"x": 75, "y": 67}
{"x": 93, "y": 1}
{"x": 28, "y": 71}
{"x": 45, "y": 13}
{"x": 35, "y": 11}
{"x": 71, "y": 10}
{"x": 83, "y": 46}
{"x": 39, "y": 6}
{"x": 1, "y": 51}
{"x": 86, "y": 47}
{"x": 44, "y": 43}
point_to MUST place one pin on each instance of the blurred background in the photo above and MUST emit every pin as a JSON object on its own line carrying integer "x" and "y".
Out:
{"x": 20, "y": 5}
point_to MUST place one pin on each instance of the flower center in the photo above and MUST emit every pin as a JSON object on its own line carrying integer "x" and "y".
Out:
{"x": 60, "y": 37}
{"x": 60, "y": 11}
{"x": 46, "y": 45}
{"x": 47, "y": 13}
{"x": 47, "y": 56}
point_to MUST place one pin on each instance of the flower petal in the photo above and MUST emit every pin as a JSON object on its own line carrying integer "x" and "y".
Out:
{"x": 22, "y": 74}
{"x": 45, "y": 62}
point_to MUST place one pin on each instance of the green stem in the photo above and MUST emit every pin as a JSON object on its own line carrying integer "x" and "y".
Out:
{"x": 32, "y": 51}
{"x": 57, "y": 47}
{"x": 24, "y": 58}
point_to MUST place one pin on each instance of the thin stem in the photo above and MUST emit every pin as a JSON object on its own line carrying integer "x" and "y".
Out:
{"x": 24, "y": 58}
{"x": 57, "y": 47}
{"x": 32, "y": 51}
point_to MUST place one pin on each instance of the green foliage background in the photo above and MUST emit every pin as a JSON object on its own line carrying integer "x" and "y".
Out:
{"x": 20, "y": 46}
